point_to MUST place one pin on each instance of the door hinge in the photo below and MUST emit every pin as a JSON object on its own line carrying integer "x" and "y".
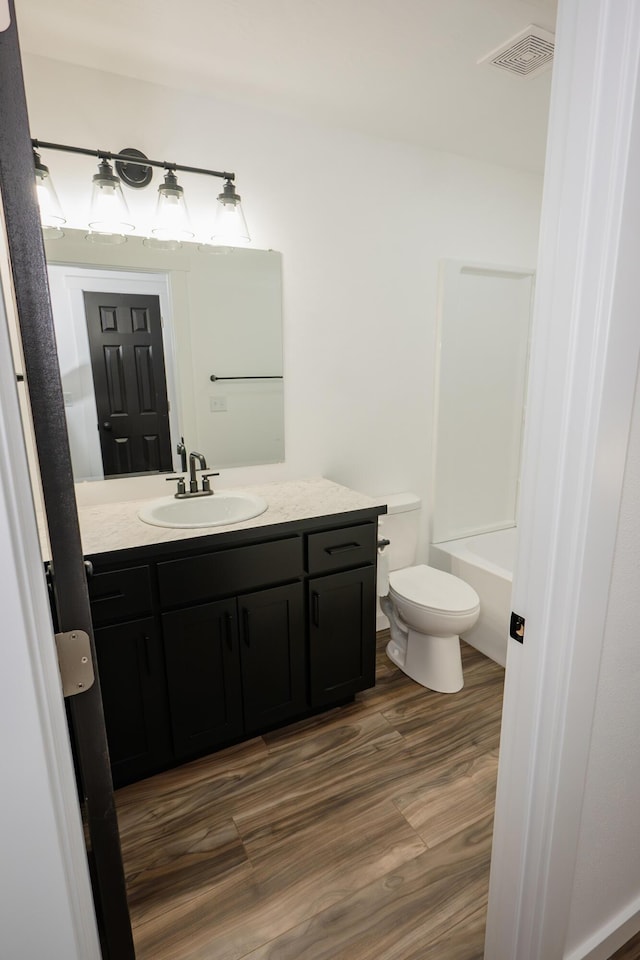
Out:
{"x": 74, "y": 661}
{"x": 516, "y": 628}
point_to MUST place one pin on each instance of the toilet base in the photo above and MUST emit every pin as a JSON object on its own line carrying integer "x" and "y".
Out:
{"x": 433, "y": 662}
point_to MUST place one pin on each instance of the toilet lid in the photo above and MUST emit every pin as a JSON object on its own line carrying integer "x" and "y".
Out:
{"x": 434, "y": 589}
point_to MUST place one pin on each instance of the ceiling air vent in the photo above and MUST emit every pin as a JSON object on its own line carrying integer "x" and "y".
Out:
{"x": 527, "y": 54}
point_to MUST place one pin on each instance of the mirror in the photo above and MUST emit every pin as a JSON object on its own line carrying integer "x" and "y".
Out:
{"x": 200, "y": 327}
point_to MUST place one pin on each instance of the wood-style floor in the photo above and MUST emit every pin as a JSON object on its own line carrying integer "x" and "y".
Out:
{"x": 363, "y": 833}
{"x": 630, "y": 951}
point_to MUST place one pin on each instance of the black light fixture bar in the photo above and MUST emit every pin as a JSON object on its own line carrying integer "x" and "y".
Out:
{"x": 130, "y": 158}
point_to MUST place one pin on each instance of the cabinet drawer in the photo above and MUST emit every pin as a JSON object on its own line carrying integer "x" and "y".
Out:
{"x": 228, "y": 572}
{"x": 119, "y": 595}
{"x": 338, "y": 549}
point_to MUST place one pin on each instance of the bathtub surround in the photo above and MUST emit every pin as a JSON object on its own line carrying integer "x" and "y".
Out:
{"x": 484, "y": 321}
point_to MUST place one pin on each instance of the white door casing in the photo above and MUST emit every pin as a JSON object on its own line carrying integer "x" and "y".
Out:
{"x": 586, "y": 345}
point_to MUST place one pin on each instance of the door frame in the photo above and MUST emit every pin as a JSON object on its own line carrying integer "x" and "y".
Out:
{"x": 584, "y": 366}
{"x": 47, "y": 907}
{"x": 25, "y": 249}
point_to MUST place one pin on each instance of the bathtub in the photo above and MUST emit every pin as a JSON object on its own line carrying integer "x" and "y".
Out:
{"x": 486, "y": 563}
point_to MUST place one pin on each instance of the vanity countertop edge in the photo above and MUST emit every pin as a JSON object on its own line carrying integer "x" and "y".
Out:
{"x": 110, "y": 528}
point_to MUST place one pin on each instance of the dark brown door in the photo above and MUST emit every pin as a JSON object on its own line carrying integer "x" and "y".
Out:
{"x": 26, "y": 251}
{"x": 127, "y": 362}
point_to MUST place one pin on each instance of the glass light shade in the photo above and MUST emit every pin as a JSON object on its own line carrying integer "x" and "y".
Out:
{"x": 230, "y": 226}
{"x": 171, "y": 223}
{"x": 109, "y": 216}
{"x": 51, "y": 215}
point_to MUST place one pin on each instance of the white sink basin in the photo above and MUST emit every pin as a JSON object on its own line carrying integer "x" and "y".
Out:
{"x": 227, "y": 506}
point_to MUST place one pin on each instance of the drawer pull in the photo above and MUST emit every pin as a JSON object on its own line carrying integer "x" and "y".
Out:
{"x": 315, "y": 613}
{"x": 342, "y": 548}
{"x": 144, "y": 646}
{"x": 228, "y": 620}
{"x": 116, "y": 595}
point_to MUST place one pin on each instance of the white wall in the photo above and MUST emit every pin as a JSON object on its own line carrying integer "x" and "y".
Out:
{"x": 361, "y": 224}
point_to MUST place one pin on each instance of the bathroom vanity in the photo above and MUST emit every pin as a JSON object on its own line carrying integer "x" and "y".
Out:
{"x": 205, "y": 637}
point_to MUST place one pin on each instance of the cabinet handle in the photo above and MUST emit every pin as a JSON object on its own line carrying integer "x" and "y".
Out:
{"x": 144, "y": 643}
{"x": 114, "y": 595}
{"x": 245, "y": 620}
{"x": 228, "y": 620}
{"x": 342, "y": 548}
{"x": 315, "y": 604}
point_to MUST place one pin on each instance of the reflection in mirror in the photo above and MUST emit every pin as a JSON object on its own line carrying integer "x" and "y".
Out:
{"x": 155, "y": 346}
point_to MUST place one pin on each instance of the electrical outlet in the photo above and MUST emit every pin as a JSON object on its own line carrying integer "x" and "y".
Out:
{"x": 218, "y": 404}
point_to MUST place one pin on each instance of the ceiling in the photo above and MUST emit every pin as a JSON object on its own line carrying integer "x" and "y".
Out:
{"x": 399, "y": 69}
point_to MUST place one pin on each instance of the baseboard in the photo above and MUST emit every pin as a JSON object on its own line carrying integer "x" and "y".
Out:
{"x": 610, "y": 937}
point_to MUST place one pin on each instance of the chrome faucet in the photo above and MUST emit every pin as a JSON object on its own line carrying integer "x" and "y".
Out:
{"x": 193, "y": 480}
{"x": 182, "y": 493}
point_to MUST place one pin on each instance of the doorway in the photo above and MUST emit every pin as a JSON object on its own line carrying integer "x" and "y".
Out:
{"x": 144, "y": 372}
{"x": 127, "y": 367}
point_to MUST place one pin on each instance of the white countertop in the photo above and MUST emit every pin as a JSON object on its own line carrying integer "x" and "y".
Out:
{"x": 115, "y": 526}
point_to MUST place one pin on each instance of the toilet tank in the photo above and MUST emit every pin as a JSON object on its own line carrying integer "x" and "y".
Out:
{"x": 400, "y": 526}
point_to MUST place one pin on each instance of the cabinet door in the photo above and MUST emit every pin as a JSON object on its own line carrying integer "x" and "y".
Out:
{"x": 342, "y": 638}
{"x": 132, "y": 681}
{"x": 203, "y": 676}
{"x": 272, "y": 655}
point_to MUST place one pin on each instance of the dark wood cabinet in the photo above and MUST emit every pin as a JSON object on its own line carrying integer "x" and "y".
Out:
{"x": 203, "y": 676}
{"x": 203, "y": 643}
{"x": 341, "y": 627}
{"x": 132, "y": 677}
{"x": 272, "y": 656}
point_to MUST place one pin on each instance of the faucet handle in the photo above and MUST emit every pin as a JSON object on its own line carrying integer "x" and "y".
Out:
{"x": 181, "y": 485}
{"x": 206, "y": 486}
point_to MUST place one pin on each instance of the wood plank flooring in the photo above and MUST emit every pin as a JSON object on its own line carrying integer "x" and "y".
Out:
{"x": 362, "y": 833}
{"x": 630, "y": 951}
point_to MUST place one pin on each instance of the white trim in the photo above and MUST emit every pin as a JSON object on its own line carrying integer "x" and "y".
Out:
{"x": 46, "y": 909}
{"x": 585, "y": 352}
{"x": 611, "y": 938}
{"x": 67, "y": 282}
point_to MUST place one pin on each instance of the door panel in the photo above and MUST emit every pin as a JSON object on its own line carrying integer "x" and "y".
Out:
{"x": 132, "y": 677}
{"x": 127, "y": 363}
{"x": 203, "y": 676}
{"x": 272, "y": 655}
{"x": 342, "y": 634}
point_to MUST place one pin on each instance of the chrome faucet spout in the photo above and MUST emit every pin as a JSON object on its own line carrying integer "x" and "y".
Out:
{"x": 193, "y": 459}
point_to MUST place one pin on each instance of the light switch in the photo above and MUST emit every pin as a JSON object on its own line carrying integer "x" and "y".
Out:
{"x": 218, "y": 404}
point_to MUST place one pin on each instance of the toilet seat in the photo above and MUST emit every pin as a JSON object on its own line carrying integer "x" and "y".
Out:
{"x": 435, "y": 590}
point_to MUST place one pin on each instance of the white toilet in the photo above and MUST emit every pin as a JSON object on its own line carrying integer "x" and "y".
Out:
{"x": 427, "y": 609}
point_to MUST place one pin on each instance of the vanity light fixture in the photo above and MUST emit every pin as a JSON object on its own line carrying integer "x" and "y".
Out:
{"x": 171, "y": 224}
{"x": 51, "y": 215}
{"x": 109, "y": 218}
{"x": 110, "y": 221}
{"x": 230, "y": 226}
